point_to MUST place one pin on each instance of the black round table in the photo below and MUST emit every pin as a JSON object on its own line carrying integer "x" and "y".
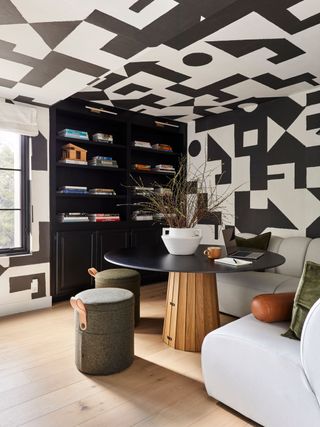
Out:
{"x": 192, "y": 301}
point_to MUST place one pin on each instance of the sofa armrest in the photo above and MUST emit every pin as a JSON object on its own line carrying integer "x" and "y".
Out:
{"x": 310, "y": 348}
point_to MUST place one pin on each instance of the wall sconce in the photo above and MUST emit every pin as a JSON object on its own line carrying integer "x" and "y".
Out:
{"x": 248, "y": 107}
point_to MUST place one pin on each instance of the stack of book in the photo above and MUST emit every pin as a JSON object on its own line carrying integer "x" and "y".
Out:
{"x": 164, "y": 168}
{"x": 162, "y": 147}
{"x": 142, "y": 191}
{"x": 102, "y": 137}
{"x": 103, "y": 161}
{"x": 73, "y": 162}
{"x": 141, "y": 167}
{"x": 72, "y": 189}
{"x": 103, "y": 191}
{"x": 163, "y": 191}
{"x": 142, "y": 216}
{"x": 72, "y": 217}
{"x": 104, "y": 217}
{"x": 72, "y": 133}
{"x": 142, "y": 144}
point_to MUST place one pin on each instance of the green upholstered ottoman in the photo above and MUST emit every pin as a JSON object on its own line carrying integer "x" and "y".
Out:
{"x": 124, "y": 278}
{"x": 104, "y": 322}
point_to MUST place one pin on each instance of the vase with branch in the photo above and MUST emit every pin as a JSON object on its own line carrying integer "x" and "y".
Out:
{"x": 187, "y": 198}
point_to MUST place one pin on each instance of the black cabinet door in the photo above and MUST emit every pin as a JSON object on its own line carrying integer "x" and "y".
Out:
{"x": 148, "y": 236}
{"x": 74, "y": 255}
{"x": 107, "y": 241}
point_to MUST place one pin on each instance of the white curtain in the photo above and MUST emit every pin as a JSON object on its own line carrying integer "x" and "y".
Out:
{"x": 19, "y": 119}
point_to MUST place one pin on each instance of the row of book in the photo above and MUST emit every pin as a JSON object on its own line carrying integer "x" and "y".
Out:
{"x": 145, "y": 144}
{"x": 74, "y": 189}
{"x": 95, "y": 161}
{"x": 79, "y": 134}
{"x": 157, "y": 168}
{"x": 66, "y": 217}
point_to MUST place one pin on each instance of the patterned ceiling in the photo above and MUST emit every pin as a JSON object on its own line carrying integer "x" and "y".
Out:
{"x": 181, "y": 59}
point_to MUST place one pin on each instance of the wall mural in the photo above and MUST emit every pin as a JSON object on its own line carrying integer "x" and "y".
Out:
{"x": 274, "y": 153}
{"x": 172, "y": 58}
{"x": 17, "y": 273}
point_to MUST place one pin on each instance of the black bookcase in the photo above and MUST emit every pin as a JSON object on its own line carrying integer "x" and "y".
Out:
{"x": 76, "y": 246}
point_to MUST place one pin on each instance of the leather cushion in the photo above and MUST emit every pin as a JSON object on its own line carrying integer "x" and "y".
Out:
{"x": 271, "y": 308}
{"x": 258, "y": 242}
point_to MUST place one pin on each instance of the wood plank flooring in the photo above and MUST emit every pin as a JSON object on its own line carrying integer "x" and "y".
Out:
{"x": 40, "y": 386}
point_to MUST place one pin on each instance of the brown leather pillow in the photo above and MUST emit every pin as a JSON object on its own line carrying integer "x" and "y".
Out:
{"x": 273, "y": 307}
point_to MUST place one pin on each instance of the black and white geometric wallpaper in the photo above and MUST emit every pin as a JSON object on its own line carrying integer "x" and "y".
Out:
{"x": 182, "y": 59}
{"x": 17, "y": 273}
{"x": 273, "y": 152}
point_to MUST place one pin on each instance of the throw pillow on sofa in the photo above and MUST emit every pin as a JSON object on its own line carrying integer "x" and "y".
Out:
{"x": 307, "y": 294}
{"x": 258, "y": 242}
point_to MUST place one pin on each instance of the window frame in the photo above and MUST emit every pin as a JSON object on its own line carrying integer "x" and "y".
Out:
{"x": 25, "y": 202}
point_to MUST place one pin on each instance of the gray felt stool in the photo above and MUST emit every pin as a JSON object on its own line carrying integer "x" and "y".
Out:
{"x": 124, "y": 278}
{"x": 104, "y": 321}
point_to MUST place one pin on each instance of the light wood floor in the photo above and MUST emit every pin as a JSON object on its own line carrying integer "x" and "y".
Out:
{"x": 40, "y": 386}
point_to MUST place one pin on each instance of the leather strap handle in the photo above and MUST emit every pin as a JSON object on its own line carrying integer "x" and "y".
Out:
{"x": 92, "y": 271}
{"x": 79, "y": 306}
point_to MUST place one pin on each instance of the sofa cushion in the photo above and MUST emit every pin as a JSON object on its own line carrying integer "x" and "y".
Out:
{"x": 237, "y": 290}
{"x": 250, "y": 367}
{"x": 294, "y": 250}
{"x": 261, "y": 241}
{"x": 313, "y": 251}
{"x": 307, "y": 294}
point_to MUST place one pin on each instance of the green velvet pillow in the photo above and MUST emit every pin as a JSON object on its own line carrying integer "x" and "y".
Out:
{"x": 307, "y": 294}
{"x": 258, "y": 242}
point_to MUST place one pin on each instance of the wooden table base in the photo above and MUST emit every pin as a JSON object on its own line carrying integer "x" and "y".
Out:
{"x": 191, "y": 310}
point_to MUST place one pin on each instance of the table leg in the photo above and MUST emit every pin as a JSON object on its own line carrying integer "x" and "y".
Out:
{"x": 191, "y": 310}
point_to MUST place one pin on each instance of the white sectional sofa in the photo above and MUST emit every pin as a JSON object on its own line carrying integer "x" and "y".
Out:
{"x": 273, "y": 380}
{"x": 248, "y": 365}
{"x": 236, "y": 290}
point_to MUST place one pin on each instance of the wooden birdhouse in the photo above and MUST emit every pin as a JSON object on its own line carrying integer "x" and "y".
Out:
{"x": 72, "y": 152}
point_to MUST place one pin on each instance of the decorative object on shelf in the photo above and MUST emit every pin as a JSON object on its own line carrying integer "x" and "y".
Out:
{"x": 104, "y": 217}
{"x": 72, "y": 189}
{"x": 183, "y": 205}
{"x": 72, "y": 133}
{"x": 162, "y": 147}
{"x": 141, "y": 167}
{"x": 103, "y": 191}
{"x": 72, "y": 217}
{"x": 103, "y": 161}
{"x": 142, "y": 144}
{"x": 181, "y": 241}
{"x": 71, "y": 152}
{"x": 102, "y": 137}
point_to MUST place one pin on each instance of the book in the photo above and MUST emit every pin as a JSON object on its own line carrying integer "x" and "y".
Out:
{"x": 165, "y": 167}
{"x": 142, "y": 167}
{"x": 73, "y": 162}
{"x": 162, "y": 147}
{"x": 72, "y": 133}
{"x": 72, "y": 187}
{"x": 142, "y": 144}
{"x": 101, "y": 158}
{"x": 105, "y": 191}
{"x": 233, "y": 262}
{"x": 72, "y": 192}
{"x": 102, "y": 137}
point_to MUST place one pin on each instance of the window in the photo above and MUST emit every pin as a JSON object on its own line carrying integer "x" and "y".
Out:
{"x": 14, "y": 194}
